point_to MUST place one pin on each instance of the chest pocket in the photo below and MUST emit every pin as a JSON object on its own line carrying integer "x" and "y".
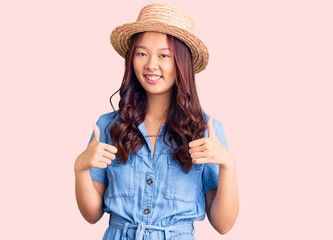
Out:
{"x": 121, "y": 177}
{"x": 179, "y": 185}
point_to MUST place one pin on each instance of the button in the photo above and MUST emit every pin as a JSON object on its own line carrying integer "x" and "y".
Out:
{"x": 118, "y": 161}
{"x": 149, "y": 181}
{"x": 146, "y": 211}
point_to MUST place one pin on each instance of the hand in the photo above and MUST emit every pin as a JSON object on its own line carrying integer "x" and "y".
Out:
{"x": 97, "y": 154}
{"x": 210, "y": 149}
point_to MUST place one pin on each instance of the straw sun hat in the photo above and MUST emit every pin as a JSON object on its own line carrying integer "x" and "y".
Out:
{"x": 164, "y": 18}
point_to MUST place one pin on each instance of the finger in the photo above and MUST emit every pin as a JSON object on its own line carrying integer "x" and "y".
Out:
{"x": 199, "y": 155}
{"x": 101, "y": 165}
{"x": 96, "y": 133}
{"x": 197, "y": 142}
{"x": 210, "y": 127}
{"x": 108, "y": 147}
{"x": 102, "y": 159}
{"x": 200, "y": 148}
{"x": 200, "y": 160}
{"x": 109, "y": 155}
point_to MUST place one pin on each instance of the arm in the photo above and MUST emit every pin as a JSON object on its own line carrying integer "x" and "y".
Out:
{"x": 89, "y": 196}
{"x": 222, "y": 203}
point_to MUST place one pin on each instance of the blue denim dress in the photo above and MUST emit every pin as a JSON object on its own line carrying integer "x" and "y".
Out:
{"x": 154, "y": 198}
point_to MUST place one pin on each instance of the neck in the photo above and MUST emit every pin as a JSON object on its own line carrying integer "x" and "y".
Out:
{"x": 157, "y": 108}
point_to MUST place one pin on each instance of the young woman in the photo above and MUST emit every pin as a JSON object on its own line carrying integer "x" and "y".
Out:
{"x": 159, "y": 162}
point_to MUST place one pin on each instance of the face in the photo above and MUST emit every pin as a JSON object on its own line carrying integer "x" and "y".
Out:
{"x": 154, "y": 64}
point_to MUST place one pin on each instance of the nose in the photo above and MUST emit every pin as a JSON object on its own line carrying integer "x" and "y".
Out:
{"x": 151, "y": 63}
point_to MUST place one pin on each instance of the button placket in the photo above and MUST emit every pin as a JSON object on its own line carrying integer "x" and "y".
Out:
{"x": 148, "y": 195}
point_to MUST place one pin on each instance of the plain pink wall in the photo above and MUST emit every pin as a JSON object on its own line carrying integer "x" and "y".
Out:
{"x": 269, "y": 81}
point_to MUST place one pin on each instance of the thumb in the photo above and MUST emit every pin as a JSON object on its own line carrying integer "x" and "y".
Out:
{"x": 96, "y": 133}
{"x": 210, "y": 127}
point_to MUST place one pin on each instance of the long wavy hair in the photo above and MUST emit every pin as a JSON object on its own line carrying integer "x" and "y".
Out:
{"x": 184, "y": 122}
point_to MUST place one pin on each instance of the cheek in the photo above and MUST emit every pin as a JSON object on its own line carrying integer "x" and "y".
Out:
{"x": 135, "y": 63}
{"x": 136, "y": 66}
{"x": 169, "y": 69}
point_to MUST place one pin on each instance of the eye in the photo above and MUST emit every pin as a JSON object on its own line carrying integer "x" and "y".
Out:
{"x": 139, "y": 54}
{"x": 164, "y": 55}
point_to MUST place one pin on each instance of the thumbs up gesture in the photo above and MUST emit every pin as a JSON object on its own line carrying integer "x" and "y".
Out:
{"x": 210, "y": 149}
{"x": 97, "y": 154}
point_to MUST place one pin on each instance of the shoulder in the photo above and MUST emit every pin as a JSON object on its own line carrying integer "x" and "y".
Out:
{"x": 106, "y": 118}
{"x": 104, "y": 125}
{"x": 109, "y": 116}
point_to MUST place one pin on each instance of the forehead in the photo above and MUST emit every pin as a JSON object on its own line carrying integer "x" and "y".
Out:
{"x": 153, "y": 40}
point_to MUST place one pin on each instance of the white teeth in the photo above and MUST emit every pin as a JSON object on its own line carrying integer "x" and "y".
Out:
{"x": 153, "y": 77}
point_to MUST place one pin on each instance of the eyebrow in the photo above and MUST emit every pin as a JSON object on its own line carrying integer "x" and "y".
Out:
{"x": 157, "y": 49}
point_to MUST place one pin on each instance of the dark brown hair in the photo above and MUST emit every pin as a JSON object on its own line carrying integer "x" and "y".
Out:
{"x": 185, "y": 121}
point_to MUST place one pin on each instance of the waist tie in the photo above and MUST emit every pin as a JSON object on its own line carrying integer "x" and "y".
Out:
{"x": 121, "y": 223}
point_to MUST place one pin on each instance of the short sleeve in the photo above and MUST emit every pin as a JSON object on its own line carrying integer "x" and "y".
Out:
{"x": 99, "y": 174}
{"x": 211, "y": 171}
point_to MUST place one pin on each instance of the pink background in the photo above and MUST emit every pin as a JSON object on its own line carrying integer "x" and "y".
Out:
{"x": 269, "y": 81}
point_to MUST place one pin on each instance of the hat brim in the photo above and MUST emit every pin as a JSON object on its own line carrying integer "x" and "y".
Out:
{"x": 120, "y": 39}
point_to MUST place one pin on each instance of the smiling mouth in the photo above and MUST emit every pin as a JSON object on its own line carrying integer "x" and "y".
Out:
{"x": 150, "y": 81}
{"x": 152, "y": 78}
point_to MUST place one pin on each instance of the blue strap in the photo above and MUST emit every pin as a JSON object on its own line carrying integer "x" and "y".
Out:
{"x": 140, "y": 231}
{"x": 122, "y": 223}
{"x": 166, "y": 233}
{"x": 123, "y": 236}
